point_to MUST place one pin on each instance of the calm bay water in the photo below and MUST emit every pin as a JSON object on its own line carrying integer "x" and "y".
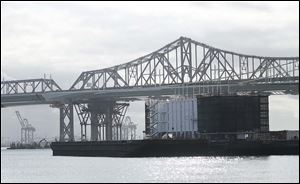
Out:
{"x": 41, "y": 166}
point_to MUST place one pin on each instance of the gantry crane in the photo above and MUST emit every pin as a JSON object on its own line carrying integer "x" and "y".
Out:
{"x": 27, "y": 130}
{"x": 129, "y": 129}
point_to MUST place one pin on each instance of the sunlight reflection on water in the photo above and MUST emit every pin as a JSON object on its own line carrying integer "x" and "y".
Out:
{"x": 41, "y": 166}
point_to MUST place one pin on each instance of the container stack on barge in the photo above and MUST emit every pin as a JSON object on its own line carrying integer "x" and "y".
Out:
{"x": 208, "y": 126}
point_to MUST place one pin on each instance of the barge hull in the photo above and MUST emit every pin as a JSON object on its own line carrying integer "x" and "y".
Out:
{"x": 174, "y": 148}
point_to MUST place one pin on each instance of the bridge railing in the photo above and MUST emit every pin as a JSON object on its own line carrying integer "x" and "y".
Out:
{"x": 28, "y": 86}
{"x": 189, "y": 61}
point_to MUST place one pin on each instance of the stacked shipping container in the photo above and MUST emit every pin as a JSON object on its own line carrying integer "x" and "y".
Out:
{"x": 233, "y": 114}
{"x": 184, "y": 117}
{"x": 176, "y": 116}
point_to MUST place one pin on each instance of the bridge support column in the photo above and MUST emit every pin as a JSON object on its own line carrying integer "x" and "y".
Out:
{"x": 109, "y": 122}
{"x": 101, "y": 120}
{"x": 66, "y": 123}
{"x": 94, "y": 125}
{"x": 105, "y": 118}
{"x": 83, "y": 116}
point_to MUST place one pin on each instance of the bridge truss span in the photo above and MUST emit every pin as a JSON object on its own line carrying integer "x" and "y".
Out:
{"x": 29, "y": 86}
{"x": 187, "y": 61}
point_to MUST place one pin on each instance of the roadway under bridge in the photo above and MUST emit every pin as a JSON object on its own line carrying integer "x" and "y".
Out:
{"x": 183, "y": 67}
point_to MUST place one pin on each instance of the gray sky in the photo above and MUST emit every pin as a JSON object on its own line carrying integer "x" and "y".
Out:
{"x": 66, "y": 38}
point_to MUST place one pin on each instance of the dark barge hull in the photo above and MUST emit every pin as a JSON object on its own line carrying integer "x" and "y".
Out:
{"x": 174, "y": 148}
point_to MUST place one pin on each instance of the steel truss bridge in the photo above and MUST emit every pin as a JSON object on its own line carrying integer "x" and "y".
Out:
{"x": 184, "y": 67}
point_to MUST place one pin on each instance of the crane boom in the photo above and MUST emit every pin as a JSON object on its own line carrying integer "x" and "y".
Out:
{"x": 20, "y": 119}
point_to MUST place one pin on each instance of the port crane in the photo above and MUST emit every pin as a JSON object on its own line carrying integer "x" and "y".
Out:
{"x": 128, "y": 129}
{"x": 27, "y": 130}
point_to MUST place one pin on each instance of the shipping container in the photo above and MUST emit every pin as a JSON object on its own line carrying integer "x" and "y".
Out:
{"x": 177, "y": 116}
{"x": 233, "y": 114}
{"x": 190, "y": 117}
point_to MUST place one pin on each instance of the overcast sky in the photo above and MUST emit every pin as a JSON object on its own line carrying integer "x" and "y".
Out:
{"x": 65, "y": 38}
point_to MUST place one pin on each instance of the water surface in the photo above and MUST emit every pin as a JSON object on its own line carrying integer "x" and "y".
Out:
{"x": 41, "y": 166}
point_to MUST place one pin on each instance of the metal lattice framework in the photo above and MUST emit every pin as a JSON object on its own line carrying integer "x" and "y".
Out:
{"x": 66, "y": 122}
{"x": 85, "y": 111}
{"x": 119, "y": 113}
{"x": 28, "y": 86}
{"x": 154, "y": 118}
{"x": 188, "y": 61}
{"x": 84, "y": 116}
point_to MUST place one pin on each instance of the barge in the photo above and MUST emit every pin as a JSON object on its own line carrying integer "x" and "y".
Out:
{"x": 175, "y": 148}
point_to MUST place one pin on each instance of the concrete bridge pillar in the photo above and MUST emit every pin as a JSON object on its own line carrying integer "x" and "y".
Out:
{"x": 94, "y": 124}
{"x": 101, "y": 120}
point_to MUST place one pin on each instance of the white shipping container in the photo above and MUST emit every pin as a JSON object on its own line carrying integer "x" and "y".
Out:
{"x": 177, "y": 115}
